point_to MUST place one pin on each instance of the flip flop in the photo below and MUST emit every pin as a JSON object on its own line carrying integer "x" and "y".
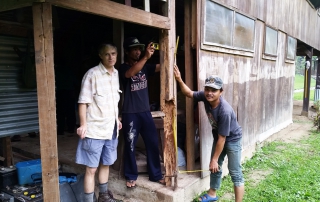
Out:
{"x": 132, "y": 184}
{"x": 207, "y": 198}
{"x": 162, "y": 181}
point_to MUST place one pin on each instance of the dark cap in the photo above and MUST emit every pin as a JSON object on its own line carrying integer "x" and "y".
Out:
{"x": 131, "y": 42}
{"x": 213, "y": 81}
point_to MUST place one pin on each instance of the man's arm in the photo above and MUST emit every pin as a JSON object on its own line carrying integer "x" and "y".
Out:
{"x": 214, "y": 167}
{"x": 184, "y": 88}
{"x": 139, "y": 65}
{"x": 82, "y": 130}
{"x": 157, "y": 68}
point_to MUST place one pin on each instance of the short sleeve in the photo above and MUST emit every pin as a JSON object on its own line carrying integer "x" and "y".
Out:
{"x": 198, "y": 96}
{"x": 86, "y": 92}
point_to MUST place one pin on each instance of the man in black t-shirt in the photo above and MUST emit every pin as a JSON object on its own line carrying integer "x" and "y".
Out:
{"x": 226, "y": 132}
{"x": 136, "y": 115}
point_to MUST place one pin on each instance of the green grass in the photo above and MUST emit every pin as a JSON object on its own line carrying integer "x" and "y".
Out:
{"x": 293, "y": 173}
{"x": 299, "y": 82}
{"x": 300, "y": 95}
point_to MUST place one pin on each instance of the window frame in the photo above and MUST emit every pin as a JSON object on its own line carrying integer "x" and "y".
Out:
{"x": 295, "y": 48}
{"x": 225, "y": 48}
{"x": 264, "y": 41}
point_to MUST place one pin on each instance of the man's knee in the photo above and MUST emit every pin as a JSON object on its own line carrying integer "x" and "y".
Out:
{"x": 90, "y": 171}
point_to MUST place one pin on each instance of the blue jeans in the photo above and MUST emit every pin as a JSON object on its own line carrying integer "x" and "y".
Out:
{"x": 233, "y": 151}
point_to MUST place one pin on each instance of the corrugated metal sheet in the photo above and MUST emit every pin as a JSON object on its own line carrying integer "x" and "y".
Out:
{"x": 18, "y": 106}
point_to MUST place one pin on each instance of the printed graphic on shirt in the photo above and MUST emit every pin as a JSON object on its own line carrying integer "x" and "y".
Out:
{"x": 131, "y": 135}
{"x": 139, "y": 82}
{"x": 212, "y": 121}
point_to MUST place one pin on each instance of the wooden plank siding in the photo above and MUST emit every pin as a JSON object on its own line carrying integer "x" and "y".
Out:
{"x": 259, "y": 89}
{"x": 294, "y": 17}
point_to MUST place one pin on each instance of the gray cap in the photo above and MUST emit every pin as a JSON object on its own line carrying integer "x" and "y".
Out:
{"x": 213, "y": 81}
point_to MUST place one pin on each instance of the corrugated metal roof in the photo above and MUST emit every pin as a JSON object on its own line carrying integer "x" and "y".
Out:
{"x": 18, "y": 105}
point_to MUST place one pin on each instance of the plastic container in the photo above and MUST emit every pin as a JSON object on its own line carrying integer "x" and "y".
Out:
{"x": 27, "y": 168}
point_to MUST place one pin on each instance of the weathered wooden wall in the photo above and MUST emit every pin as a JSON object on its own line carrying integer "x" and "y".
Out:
{"x": 260, "y": 90}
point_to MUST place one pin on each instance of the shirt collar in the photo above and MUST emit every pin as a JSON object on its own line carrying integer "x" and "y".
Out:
{"x": 104, "y": 70}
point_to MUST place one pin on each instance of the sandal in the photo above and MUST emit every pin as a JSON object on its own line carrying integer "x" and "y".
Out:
{"x": 132, "y": 184}
{"x": 162, "y": 181}
{"x": 207, "y": 198}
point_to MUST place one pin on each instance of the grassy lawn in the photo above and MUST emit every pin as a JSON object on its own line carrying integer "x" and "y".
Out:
{"x": 300, "y": 95}
{"x": 299, "y": 84}
{"x": 290, "y": 172}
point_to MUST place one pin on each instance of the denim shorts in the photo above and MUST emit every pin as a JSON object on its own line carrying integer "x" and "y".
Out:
{"x": 233, "y": 151}
{"x": 91, "y": 152}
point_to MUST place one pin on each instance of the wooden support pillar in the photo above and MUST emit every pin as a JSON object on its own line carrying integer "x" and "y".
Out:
{"x": 307, "y": 81}
{"x": 168, "y": 92}
{"x": 6, "y": 151}
{"x": 118, "y": 37}
{"x": 188, "y": 58}
{"x": 43, "y": 45}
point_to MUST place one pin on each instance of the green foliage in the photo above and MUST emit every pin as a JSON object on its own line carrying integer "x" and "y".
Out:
{"x": 316, "y": 118}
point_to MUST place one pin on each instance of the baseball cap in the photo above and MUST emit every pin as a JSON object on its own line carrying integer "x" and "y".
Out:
{"x": 132, "y": 42}
{"x": 213, "y": 81}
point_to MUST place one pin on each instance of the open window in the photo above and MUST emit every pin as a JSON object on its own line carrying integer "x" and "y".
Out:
{"x": 226, "y": 30}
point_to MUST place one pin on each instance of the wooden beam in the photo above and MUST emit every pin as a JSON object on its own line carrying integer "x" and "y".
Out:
{"x": 188, "y": 60}
{"x": 168, "y": 104}
{"x": 118, "y": 37}
{"x": 43, "y": 45}
{"x": 6, "y": 151}
{"x": 194, "y": 24}
{"x": 116, "y": 11}
{"x": 6, "y": 5}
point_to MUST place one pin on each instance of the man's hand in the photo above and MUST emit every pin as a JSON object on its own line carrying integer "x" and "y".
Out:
{"x": 119, "y": 125}
{"x": 149, "y": 51}
{"x": 177, "y": 74}
{"x": 82, "y": 131}
{"x": 214, "y": 166}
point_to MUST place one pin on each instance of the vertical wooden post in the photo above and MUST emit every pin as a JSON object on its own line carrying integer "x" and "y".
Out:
{"x": 118, "y": 37}
{"x": 189, "y": 81}
{"x": 43, "y": 45}
{"x": 6, "y": 150}
{"x": 168, "y": 92}
{"x": 307, "y": 81}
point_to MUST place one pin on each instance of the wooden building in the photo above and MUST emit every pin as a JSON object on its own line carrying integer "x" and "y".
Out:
{"x": 250, "y": 44}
